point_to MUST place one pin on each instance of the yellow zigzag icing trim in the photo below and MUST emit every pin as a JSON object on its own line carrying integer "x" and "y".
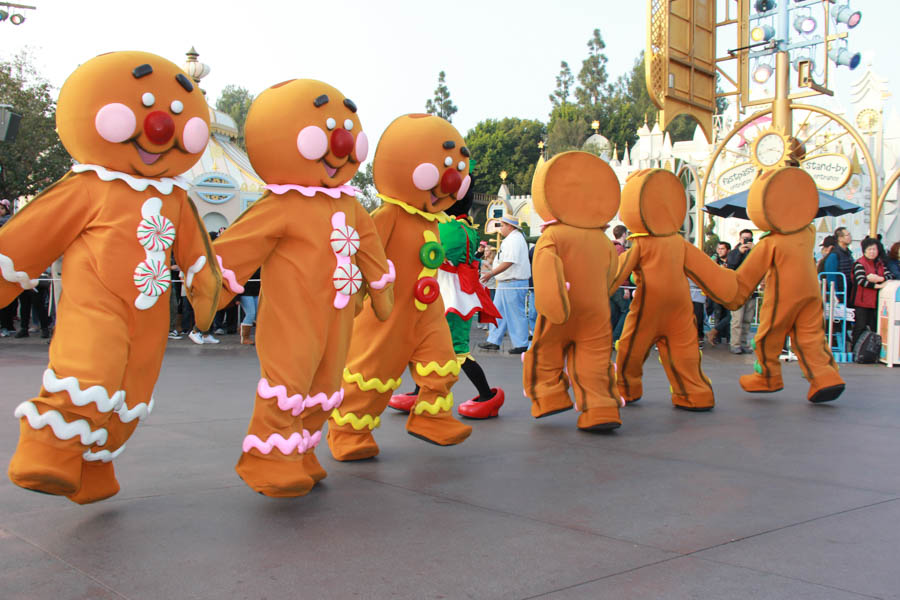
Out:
{"x": 371, "y": 384}
{"x": 426, "y": 272}
{"x": 452, "y": 366}
{"x": 441, "y": 404}
{"x": 355, "y": 422}
{"x": 440, "y": 217}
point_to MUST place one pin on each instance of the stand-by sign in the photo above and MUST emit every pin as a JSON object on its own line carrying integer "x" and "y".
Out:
{"x": 829, "y": 171}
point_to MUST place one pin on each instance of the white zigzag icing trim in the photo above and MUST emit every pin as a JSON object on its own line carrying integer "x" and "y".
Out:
{"x": 11, "y": 275}
{"x": 138, "y": 184}
{"x": 193, "y": 270}
{"x": 139, "y": 412}
{"x": 95, "y": 394}
{"x": 61, "y": 428}
{"x": 102, "y": 455}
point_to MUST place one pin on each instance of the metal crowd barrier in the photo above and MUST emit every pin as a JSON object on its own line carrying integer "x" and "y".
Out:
{"x": 836, "y": 311}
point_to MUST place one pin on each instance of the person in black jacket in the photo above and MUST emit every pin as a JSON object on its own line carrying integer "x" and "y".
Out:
{"x": 742, "y": 317}
{"x": 845, "y": 263}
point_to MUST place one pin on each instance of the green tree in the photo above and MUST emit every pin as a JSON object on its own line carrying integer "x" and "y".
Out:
{"x": 36, "y": 158}
{"x": 365, "y": 181}
{"x": 441, "y": 105}
{"x": 235, "y": 101}
{"x": 564, "y": 82}
{"x": 510, "y": 145}
{"x": 593, "y": 76}
{"x": 568, "y": 129}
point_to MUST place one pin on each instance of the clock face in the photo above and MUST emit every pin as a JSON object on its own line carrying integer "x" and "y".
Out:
{"x": 868, "y": 120}
{"x": 770, "y": 149}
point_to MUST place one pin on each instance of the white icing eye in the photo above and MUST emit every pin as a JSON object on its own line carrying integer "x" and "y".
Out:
{"x": 176, "y": 107}
{"x": 348, "y": 124}
{"x": 448, "y": 161}
{"x": 461, "y": 166}
{"x": 330, "y": 123}
{"x": 148, "y": 99}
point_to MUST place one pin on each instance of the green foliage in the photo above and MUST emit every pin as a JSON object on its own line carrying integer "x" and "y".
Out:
{"x": 366, "y": 184}
{"x": 710, "y": 240}
{"x": 441, "y": 105}
{"x": 568, "y": 128}
{"x": 36, "y": 158}
{"x": 509, "y": 145}
{"x": 564, "y": 82}
{"x": 235, "y": 101}
{"x": 592, "y": 77}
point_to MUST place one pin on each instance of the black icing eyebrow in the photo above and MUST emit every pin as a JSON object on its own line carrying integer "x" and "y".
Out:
{"x": 184, "y": 82}
{"x": 449, "y": 145}
{"x": 464, "y": 151}
{"x": 321, "y": 100}
{"x": 350, "y": 104}
{"x": 141, "y": 71}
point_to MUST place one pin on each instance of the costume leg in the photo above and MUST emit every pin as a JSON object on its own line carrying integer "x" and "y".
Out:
{"x": 680, "y": 357}
{"x": 434, "y": 366}
{"x": 543, "y": 377}
{"x": 593, "y": 377}
{"x": 818, "y": 364}
{"x": 632, "y": 350}
{"x": 774, "y": 324}
{"x": 82, "y": 387}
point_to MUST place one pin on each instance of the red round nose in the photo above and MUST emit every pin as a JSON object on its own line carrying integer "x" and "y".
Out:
{"x": 341, "y": 142}
{"x": 159, "y": 127}
{"x": 450, "y": 181}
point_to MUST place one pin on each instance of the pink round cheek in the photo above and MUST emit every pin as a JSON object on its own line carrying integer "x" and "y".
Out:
{"x": 115, "y": 122}
{"x": 425, "y": 176}
{"x": 196, "y": 135}
{"x": 464, "y": 187}
{"x": 362, "y": 146}
{"x": 312, "y": 142}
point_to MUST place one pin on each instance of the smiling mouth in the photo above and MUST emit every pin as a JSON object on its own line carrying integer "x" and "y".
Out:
{"x": 148, "y": 157}
{"x": 329, "y": 169}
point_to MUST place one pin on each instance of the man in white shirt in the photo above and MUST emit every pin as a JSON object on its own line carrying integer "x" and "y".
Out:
{"x": 511, "y": 269}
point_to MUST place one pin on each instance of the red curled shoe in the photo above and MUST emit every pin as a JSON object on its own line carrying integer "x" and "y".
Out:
{"x": 482, "y": 410}
{"x": 403, "y": 402}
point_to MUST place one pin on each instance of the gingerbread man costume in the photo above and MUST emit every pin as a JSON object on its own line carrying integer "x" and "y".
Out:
{"x": 661, "y": 313}
{"x": 134, "y": 121}
{"x": 421, "y": 166}
{"x": 576, "y": 193}
{"x": 784, "y": 202}
{"x": 316, "y": 246}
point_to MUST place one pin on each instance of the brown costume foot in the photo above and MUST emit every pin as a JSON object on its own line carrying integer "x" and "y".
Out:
{"x": 758, "y": 384}
{"x": 825, "y": 388}
{"x": 46, "y": 464}
{"x": 550, "y": 405}
{"x": 274, "y": 478}
{"x": 699, "y": 402}
{"x": 442, "y": 429}
{"x": 98, "y": 482}
{"x": 312, "y": 467}
{"x": 599, "y": 419}
{"x": 355, "y": 445}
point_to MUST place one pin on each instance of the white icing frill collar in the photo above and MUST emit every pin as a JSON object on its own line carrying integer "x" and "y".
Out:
{"x": 311, "y": 190}
{"x": 163, "y": 185}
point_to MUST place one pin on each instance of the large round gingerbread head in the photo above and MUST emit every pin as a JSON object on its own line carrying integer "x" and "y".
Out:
{"x": 133, "y": 112}
{"x": 423, "y": 161}
{"x": 576, "y": 188}
{"x": 653, "y": 202}
{"x": 305, "y": 132}
{"x": 783, "y": 200}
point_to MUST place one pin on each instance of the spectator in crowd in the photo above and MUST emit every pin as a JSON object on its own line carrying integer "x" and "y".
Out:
{"x": 7, "y": 313}
{"x": 620, "y": 301}
{"x": 487, "y": 253}
{"x": 174, "y": 302}
{"x": 698, "y": 298}
{"x": 5, "y": 211}
{"x": 869, "y": 273}
{"x": 512, "y": 270}
{"x": 843, "y": 259}
{"x": 742, "y": 317}
{"x": 828, "y": 258}
{"x": 195, "y": 335}
{"x": 721, "y": 328}
{"x": 532, "y": 309}
{"x": 893, "y": 260}
{"x": 32, "y": 302}
{"x": 249, "y": 303}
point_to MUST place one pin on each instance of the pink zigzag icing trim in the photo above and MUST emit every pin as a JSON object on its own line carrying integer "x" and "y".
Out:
{"x": 230, "y": 279}
{"x": 296, "y": 403}
{"x": 311, "y": 190}
{"x": 387, "y": 278}
{"x": 297, "y": 442}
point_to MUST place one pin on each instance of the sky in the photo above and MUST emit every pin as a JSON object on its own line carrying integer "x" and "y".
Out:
{"x": 501, "y": 56}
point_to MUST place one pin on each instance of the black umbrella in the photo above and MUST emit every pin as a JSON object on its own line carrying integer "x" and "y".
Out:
{"x": 736, "y": 206}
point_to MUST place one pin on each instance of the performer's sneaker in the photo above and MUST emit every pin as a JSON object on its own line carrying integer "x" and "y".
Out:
{"x": 473, "y": 409}
{"x": 403, "y": 402}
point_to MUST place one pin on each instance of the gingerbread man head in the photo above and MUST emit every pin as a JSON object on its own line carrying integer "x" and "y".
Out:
{"x": 423, "y": 161}
{"x": 653, "y": 202}
{"x": 576, "y": 188}
{"x": 133, "y": 112}
{"x": 783, "y": 200}
{"x": 305, "y": 132}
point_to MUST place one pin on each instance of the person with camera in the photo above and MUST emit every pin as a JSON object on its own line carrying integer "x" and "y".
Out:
{"x": 742, "y": 317}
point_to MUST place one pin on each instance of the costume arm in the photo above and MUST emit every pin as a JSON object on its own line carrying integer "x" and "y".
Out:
{"x": 377, "y": 270}
{"x": 246, "y": 244}
{"x": 628, "y": 262}
{"x": 717, "y": 283}
{"x": 194, "y": 256}
{"x": 751, "y": 272}
{"x": 39, "y": 233}
{"x": 551, "y": 298}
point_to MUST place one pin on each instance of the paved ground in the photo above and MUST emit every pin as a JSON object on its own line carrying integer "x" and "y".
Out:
{"x": 765, "y": 497}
